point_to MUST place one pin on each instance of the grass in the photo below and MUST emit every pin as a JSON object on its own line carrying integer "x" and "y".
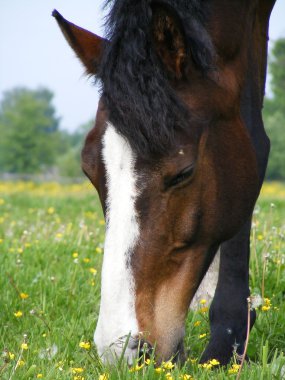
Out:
{"x": 51, "y": 245}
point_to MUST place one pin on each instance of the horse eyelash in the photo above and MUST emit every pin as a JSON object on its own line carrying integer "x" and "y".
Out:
{"x": 181, "y": 177}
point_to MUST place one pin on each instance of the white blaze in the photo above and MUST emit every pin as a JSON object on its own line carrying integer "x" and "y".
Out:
{"x": 117, "y": 317}
{"x": 208, "y": 285}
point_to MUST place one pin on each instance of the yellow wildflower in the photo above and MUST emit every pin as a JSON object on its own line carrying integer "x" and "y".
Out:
{"x": 1, "y": 241}
{"x": 24, "y": 296}
{"x": 18, "y": 314}
{"x": 197, "y": 323}
{"x": 50, "y": 210}
{"x": 267, "y": 301}
{"x": 20, "y": 363}
{"x": 201, "y": 336}
{"x": 104, "y": 376}
{"x": 39, "y": 376}
{"x": 203, "y": 302}
{"x": 1, "y": 201}
{"x": 11, "y": 355}
{"x": 186, "y": 377}
{"x": 78, "y": 377}
{"x": 204, "y": 309}
{"x": 234, "y": 368}
{"x": 20, "y": 250}
{"x": 74, "y": 255}
{"x": 136, "y": 368}
{"x": 77, "y": 369}
{"x": 93, "y": 271}
{"x": 168, "y": 376}
{"x": 24, "y": 346}
{"x": 86, "y": 260}
{"x": 101, "y": 222}
{"x": 167, "y": 365}
{"x": 158, "y": 370}
{"x": 205, "y": 365}
{"x": 214, "y": 362}
{"x": 58, "y": 235}
{"x": 85, "y": 345}
{"x": 98, "y": 250}
{"x": 260, "y": 237}
{"x": 265, "y": 308}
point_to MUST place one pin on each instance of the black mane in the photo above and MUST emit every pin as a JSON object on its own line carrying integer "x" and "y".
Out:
{"x": 142, "y": 105}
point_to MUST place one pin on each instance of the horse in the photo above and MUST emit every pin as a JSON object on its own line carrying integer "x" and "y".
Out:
{"x": 178, "y": 155}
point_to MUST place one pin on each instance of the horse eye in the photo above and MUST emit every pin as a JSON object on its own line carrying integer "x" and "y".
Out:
{"x": 180, "y": 177}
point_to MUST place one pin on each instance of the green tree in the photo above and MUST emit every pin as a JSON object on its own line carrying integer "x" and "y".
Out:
{"x": 69, "y": 164}
{"x": 274, "y": 112}
{"x": 29, "y": 131}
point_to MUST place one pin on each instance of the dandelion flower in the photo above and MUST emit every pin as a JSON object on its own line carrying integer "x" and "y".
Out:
{"x": 39, "y": 376}
{"x": 85, "y": 345}
{"x": 214, "y": 362}
{"x": 11, "y": 355}
{"x": 50, "y": 210}
{"x": 24, "y": 346}
{"x": 205, "y": 365}
{"x": 234, "y": 368}
{"x": 104, "y": 376}
{"x": 168, "y": 365}
{"x": 197, "y": 323}
{"x": 18, "y": 314}
{"x": 203, "y": 302}
{"x": 201, "y": 336}
{"x": 77, "y": 370}
{"x": 265, "y": 308}
{"x": 24, "y": 296}
{"x": 98, "y": 250}
{"x": 74, "y": 255}
{"x": 20, "y": 363}
{"x": 86, "y": 260}
{"x": 136, "y": 368}
{"x": 93, "y": 271}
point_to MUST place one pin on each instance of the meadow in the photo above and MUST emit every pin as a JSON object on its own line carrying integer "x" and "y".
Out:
{"x": 51, "y": 248}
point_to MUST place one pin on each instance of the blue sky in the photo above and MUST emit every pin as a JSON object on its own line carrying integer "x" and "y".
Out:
{"x": 34, "y": 53}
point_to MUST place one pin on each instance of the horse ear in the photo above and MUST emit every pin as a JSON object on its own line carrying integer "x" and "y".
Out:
{"x": 169, "y": 40}
{"x": 87, "y": 46}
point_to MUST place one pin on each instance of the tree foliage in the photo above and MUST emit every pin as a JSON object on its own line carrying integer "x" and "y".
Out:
{"x": 274, "y": 112}
{"x": 69, "y": 164}
{"x": 29, "y": 131}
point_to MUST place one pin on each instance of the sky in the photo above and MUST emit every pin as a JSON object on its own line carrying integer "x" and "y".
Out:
{"x": 33, "y": 52}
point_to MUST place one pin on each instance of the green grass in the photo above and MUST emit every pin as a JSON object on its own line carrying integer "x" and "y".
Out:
{"x": 51, "y": 240}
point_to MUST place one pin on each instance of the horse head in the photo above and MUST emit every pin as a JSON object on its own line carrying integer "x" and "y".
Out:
{"x": 171, "y": 160}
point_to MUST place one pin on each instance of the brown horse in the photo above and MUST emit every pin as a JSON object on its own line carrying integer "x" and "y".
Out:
{"x": 178, "y": 155}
